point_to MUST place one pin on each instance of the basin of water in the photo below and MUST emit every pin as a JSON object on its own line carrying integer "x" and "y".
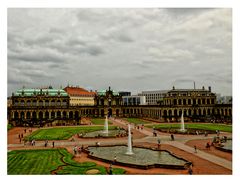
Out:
{"x": 226, "y": 146}
{"x": 111, "y": 133}
{"x": 187, "y": 131}
{"x": 141, "y": 157}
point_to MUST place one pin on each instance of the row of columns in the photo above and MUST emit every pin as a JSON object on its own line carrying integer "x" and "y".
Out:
{"x": 187, "y": 112}
{"x": 41, "y": 103}
{"x": 189, "y": 101}
{"x": 101, "y": 112}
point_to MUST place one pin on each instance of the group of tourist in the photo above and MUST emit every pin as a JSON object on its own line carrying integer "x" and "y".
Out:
{"x": 77, "y": 150}
{"x": 139, "y": 127}
{"x": 20, "y": 136}
{"x": 111, "y": 164}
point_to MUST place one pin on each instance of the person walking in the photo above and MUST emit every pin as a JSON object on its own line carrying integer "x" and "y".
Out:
{"x": 53, "y": 144}
{"x": 115, "y": 159}
{"x": 110, "y": 169}
{"x": 190, "y": 171}
{"x": 195, "y": 148}
{"x": 159, "y": 143}
{"x": 75, "y": 150}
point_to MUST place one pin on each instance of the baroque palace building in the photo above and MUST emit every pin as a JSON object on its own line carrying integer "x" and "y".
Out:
{"x": 79, "y": 96}
{"x": 52, "y": 106}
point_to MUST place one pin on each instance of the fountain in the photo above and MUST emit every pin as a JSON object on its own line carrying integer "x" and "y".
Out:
{"x": 182, "y": 124}
{"x": 106, "y": 125}
{"x": 143, "y": 158}
{"x": 129, "y": 150}
{"x": 113, "y": 132}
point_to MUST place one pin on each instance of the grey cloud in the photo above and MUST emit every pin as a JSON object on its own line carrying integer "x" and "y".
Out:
{"x": 56, "y": 31}
{"x": 121, "y": 47}
{"x": 41, "y": 55}
{"x": 18, "y": 79}
{"x": 184, "y": 80}
{"x": 76, "y": 42}
{"x": 187, "y": 11}
{"x": 94, "y": 50}
{"x": 117, "y": 36}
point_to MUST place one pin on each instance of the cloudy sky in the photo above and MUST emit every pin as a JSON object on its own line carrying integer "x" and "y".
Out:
{"x": 127, "y": 49}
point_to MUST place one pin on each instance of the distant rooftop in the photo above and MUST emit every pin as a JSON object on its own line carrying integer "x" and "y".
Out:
{"x": 103, "y": 92}
{"x": 154, "y": 91}
{"x": 32, "y": 92}
{"x": 78, "y": 91}
{"x": 191, "y": 90}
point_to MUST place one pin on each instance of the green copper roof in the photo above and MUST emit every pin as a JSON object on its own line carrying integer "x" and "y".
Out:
{"x": 103, "y": 92}
{"x": 32, "y": 92}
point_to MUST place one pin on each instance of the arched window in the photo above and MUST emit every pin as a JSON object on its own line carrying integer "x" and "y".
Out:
{"x": 64, "y": 114}
{"x": 189, "y": 112}
{"x": 76, "y": 114}
{"x": 58, "y": 114}
{"x": 40, "y": 103}
{"x": 53, "y": 103}
{"x": 16, "y": 103}
{"x": 185, "y": 112}
{"x": 22, "y": 115}
{"x": 184, "y": 101}
{"x": 40, "y": 114}
{"x": 28, "y": 103}
{"x": 58, "y": 103}
{"x": 208, "y": 112}
{"x": 170, "y": 113}
{"x": 34, "y": 115}
{"x": 16, "y": 115}
{"x": 52, "y": 114}
{"x": 46, "y": 114}
{"x": 46, "y": 102}
{"x": 199, "y": 112}
{"x": 28, "y": 115}
{"x": 71, "y": 115}
{"x": 34, "y": 103}
{"x": 179, "y": 101}
{"x": 204, "y": 112}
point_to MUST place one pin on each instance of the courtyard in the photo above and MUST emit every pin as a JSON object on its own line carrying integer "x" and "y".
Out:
{"x": 58, "y": 156}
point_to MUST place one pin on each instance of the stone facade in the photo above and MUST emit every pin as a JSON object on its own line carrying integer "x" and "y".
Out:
{"x": 42, "y": 108}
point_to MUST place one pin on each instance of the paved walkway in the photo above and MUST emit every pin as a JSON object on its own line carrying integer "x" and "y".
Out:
{"x": 212, "y": 158}
{"x": 180, "y": 144}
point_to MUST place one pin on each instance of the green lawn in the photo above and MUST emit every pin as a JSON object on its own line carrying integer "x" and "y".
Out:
{"x": 99, "y": 121}
{"x": 137, "y": 121}
{"x": 208, "y": 126}
{"x": 48, "y": 160}
{"x": 33, "y": 161}
{"x": 62, "y": 133}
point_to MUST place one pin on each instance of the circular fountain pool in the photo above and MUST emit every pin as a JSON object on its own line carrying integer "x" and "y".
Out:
{"x": 186, "y": 131}
{"x": 226, "y": 146}
{"x": 142, "y": 157}
{"x": 103, "y": 134}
